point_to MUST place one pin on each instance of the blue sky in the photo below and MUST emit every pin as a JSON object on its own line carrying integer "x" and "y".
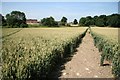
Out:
{"x": 71, "y": 10}
{"x": 60, "y": 0}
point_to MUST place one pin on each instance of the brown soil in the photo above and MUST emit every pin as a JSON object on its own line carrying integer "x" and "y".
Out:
{"x": 85, "y": 63}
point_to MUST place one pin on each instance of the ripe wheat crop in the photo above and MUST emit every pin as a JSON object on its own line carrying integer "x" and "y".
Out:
{"x": 34, "y": 52}
{"x": 107, "y": 41}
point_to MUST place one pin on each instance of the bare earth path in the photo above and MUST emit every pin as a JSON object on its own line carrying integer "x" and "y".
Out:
{"x": 86, "y": 62}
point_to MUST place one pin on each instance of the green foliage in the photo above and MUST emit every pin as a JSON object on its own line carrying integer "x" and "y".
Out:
{"x": 110, "y": 52}
{"x": 101, "y": 21}
{"x": 49, "y": 22}
{"x": 114, "y": 20}
{"x": 116, "y": 64}
{"x": 30, "y": 26}
{"x": 2, "y": 20}
{"x": 23, "y": 25}
{"x": 16, "y": 19}
{"x": 82, "y": 21}
{"x": 86, "y": 21}
{"x": 75, "y": 21}
{"x": 63, "y": 21}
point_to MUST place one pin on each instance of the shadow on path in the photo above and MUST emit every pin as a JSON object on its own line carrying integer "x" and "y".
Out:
{"x": 61, "y": 66}
{"x": 83, "y": 63}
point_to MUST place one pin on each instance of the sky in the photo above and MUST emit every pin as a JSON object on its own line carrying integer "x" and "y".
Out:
{"x": 71, "y": 10}
{"x": 60, "y": 0}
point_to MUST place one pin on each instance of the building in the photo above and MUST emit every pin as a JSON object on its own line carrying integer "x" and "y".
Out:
{"x": 32, "y": 21}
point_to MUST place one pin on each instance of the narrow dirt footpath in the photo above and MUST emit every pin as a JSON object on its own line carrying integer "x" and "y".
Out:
{"x": 86, "y": 62}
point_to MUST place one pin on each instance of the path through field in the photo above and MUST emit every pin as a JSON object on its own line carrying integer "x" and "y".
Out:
{"x": 85, "y": 63}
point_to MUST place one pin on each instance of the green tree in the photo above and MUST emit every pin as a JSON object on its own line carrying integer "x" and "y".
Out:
{"x": 86, "y": 21}
{"x": 75, "y": 21}
{"x": 0, "y": 19}
{"x": 63, "y": 21}
{"x": 100, "y": 23}
{"x": 49, "y": 22}
{"x": 95, "y": 18}
{"x": 3, "y": 21}
{"x": 16, "y": 19}
{"x": 89, "y": 21}
{"x": 103, "y": 20}
{"x": 82, "y": 21}
{"x": 114, "y": 20}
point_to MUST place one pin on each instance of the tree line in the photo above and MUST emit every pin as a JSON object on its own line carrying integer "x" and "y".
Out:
{"x": 18, "y": 19}
{"x": 50, "y": 22}
{"x": 14, "y": 19}
{"x": 101, "y": 21}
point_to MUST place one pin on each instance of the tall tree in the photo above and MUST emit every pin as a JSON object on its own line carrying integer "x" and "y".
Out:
{"x": 16, "y": 19}
{"x": 2, "y": 20}
{"x": 114, "y": 20}
{"x": 101, "y": 21}
{"x": 82, "y": 21}
{"x": 75, "y": 21}
{"x": 95, "y": 18}
{"x": 49, "y": 21}
{"x": 63, "y": 21}
{"x": 89, "y": 21}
